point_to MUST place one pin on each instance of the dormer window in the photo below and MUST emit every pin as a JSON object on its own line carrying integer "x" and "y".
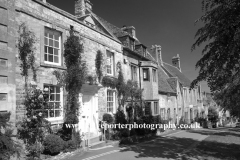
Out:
{"x": 89, "y": 21}
{"x": 144, "y": 52}
{"x": 131, "y": 44}
{"x": 89, "y": 24}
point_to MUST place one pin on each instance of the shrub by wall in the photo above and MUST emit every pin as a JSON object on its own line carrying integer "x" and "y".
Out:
{"x": 53, "y": 144}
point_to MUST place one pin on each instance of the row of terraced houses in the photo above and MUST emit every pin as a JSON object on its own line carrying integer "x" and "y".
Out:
{"x": 166, "y": 89}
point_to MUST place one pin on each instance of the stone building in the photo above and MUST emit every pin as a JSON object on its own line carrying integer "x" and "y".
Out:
{"x": 51, "y": 26}
{"x": 138, "y": 65}
{"x": 176, "y": 99}
{"x": 166, "y": 89}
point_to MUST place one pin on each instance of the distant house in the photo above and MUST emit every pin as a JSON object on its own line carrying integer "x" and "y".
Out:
{"x": 177, "y": 100}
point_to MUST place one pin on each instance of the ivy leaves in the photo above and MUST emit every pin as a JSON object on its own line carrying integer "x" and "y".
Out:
{"x": 99, "y": 65}
{"x": 26, "y": 48}
{"x": 74, "y": 77}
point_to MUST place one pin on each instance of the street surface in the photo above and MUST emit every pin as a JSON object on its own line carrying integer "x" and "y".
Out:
{"x": 181, "y": 144}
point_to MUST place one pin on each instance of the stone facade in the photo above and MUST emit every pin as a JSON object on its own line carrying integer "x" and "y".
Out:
{"x": 166, "y": 89}
{"x": 7, "y": 59}
{"x": 40, "y": 16}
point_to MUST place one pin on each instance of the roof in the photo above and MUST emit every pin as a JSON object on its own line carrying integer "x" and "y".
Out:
{"x": 163, "y": 85}
{"x": 174, "y": 72}
{"x": 173, "y": 83}
{"x": 118, "y": 32}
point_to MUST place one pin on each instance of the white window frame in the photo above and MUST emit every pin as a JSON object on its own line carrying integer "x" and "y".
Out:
{"x": 110, "y": 62}
{"x": 162, "y": 113}
{"x": 147, "y": 78}
{"x": 155, "y": 108}
{"x": 61, "y": 103}
{"x": 113, "y": 101}
{"x": 134, "y": 72}
{"x": 47, "y": 30}
{"x": 154, "y": 75}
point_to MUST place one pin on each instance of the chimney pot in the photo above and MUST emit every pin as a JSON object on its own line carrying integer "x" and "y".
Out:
{"x": 130, "y": 29}
{"x": 157, "y": 54}
{"x": 80, "y": 8}
{"x": 176, "y": 62}
{"x": 88, "y": 5}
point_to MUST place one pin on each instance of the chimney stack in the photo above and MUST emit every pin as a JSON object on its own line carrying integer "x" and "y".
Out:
{"x": 176, "y": 62}
{"x": 130, "y": 29}
{"x": 156, "y": 52}
{"x": 88, "y": 5}
{"x": 80, "y": 8}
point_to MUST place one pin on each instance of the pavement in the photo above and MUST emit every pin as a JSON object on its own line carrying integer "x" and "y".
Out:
{"x": 173, "y": 145}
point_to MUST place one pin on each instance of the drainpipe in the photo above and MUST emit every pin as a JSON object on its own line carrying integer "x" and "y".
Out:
{"x": 139, "y": 65}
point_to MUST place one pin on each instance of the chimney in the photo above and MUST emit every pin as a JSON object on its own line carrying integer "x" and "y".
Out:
{"x": 157, "y": 54}
{"x": 88, "y": 5}
{"x": 130, "y": 29}
{"x": 44, "y": 1}
{"x": 80, "y": 8}
{"x": 176, "y": 62}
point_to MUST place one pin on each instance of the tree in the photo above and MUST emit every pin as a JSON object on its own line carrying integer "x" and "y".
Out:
{"x": 220, "y": 64}
{"x": 26, "y": 49}
{"x": 74, "y": 77}
{"x": 8, "y": 147}
{"x": 212, "y": 114}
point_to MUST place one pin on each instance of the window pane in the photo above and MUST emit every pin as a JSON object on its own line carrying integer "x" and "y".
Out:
{"x": 50, "y": 50}
{"x": 57, "y": 97}
{"x": 45, "y": 41}
{"x": 51, "y": 105}
{"x": 46, "y": 49}
{"x": 57, "y": 113}
{"x": 51, "y": 113}
{"x": 56, "y": 44}
{"x": 46, "y": 34}
{"x": 56, "y": 59}
{"x": 56, "y": 52}
{"x": 51, "y": 89}
{"x": 52, "y": 97}
{"x": 45, "y": 57}
{"x": 50, "y": 58}
{"x": 50, "y": 35}
{"x": 57, "y": 105}
{"x": 56, "y": 36}
{"x": 50, "y": 42}
{"x": 57, "y": 89}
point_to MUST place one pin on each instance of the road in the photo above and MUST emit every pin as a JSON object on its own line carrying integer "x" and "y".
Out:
{"x": 172, "y": 146}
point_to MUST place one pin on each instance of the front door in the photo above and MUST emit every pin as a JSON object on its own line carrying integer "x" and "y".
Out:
{"x": 90, "y": 115}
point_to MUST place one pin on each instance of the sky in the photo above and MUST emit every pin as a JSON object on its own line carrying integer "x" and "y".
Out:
{"x": 168, "y": 23}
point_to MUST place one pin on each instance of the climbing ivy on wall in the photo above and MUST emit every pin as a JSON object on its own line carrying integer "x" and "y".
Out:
{"x": 99, "y": 65}
{"x": 26, "y": 48}
{"x": 74, "y": 76}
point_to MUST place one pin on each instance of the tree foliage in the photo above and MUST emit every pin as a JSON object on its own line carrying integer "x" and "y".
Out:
{"x": 26, "y": 49}
{"x": 220, "y": 64}
{"x": 212, "y": 114}
{"x": 74, "y": 76}
{"x": 99, "y": 65}
{"x": 34, "y": 127}
{"x": 8, "y": 147}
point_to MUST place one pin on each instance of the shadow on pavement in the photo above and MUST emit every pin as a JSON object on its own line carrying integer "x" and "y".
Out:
{"x": 224, "y": 133}
{"x": 175, "y": 148}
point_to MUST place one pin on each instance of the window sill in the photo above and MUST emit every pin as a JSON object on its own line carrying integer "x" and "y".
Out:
{"x": 52, "y": 66}
{"x": 57, "y": 120}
